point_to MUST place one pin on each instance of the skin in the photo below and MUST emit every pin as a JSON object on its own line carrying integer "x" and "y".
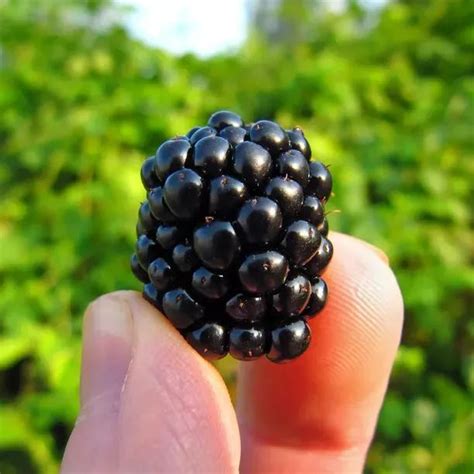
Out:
{"x": 150, "y": 403}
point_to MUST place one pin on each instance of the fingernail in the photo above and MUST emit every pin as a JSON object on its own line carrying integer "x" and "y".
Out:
{"x": 380, "y": 253}
{"x": 110, "y": 316}
{"x": 107, "y": 347}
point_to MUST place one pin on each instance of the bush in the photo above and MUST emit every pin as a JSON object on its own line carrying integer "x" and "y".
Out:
{"x": 386, "y": 99}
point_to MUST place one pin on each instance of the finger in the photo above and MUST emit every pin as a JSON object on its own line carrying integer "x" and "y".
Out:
{"x": 176, "y": 412}
{"x": 318, "y": 413}
{"x": 147, "y": 399}
{"x": 106, "y": 354}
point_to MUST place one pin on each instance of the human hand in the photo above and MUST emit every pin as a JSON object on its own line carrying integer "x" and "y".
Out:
{"x": 150, "y": 403}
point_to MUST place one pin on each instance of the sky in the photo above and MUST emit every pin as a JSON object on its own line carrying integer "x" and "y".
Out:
{"x": 203, "y": 27}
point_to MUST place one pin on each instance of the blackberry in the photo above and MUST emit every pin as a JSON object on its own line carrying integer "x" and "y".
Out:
{"x": 263, "y": 273}
{"x": 247, "y": 343}
{"x": 252, "y": 164}
{"x": 234, "y": 135}
{"x": 232, "y": 237}
{"x": 312, "y": 210}
{"x": 147, "y": 173}
{"x": 301, "y": 242}
{"x": 184, "y": 258}
{"x": 288, "y": 194}
{"x": 224, "y": 118}
{"x": 323, "y": 228}
{"x": 293, "y": 297}
{"x": 146, "y": 219}
{"x": 146, "y": 251}
{"x": 289, "y": 340}
{"x": 201, "y": 133}
{"x": 320, "y": 181}
{"x": 246, "y": 308}
{"x": 226, "y": 195}
{"x": 210, "y": 339}
{"x": 181, "y": 308}
{"x": 294, "y": 165}
{"x": 168, "y": 236}
{"x": 299, "y": 142}
{"x": 260, "y": 220}
{"x": 161, "y": 274}
{"x": 270, "y": 135}
{"x": 216, "y": 244}
{"x": 317, "y": 300}
{"x": 158, "y": 207}
{"x": 209, "y": 284}
{"x": 137, "y": 270}
{"x": 171, "y": 156}
{"x": 184, "y": 193}
{"x": 211, "y": 155}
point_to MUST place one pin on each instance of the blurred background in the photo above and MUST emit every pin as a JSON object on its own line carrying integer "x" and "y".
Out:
{"x": 88, "y": 88}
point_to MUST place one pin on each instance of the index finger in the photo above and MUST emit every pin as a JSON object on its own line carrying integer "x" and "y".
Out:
{"x": 318, "y": 413}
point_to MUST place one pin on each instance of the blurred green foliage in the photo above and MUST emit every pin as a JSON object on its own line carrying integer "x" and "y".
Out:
{"x": 386, "y": 97}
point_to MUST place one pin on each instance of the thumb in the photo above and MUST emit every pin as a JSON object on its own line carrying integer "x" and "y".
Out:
{"x": 149, "y": 403}
{"x": 318, "y": 413}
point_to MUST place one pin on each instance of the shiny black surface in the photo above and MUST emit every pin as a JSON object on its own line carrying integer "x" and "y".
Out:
{"x": 146, "y": 218}
{"x": 247, "y": 343}
{"x": 150, "y": 293}
{"x": 323, "y": 228}
{"x": 226, "y": 195}
{"x": 319, "y": 296}
{"x": 312, "y": 210}
{"x": 184, "y": 193}
{"x": 181, "y": 309}
{"x": 320, "y": 181}
{"x": 321, "y": 258}
{"x": 209, "y": 284}
{"x": 161, "y": 274}
{"x": 185, "y": 258}
{"x": 289, "y": 341}
{"x": 224, "y": 118}
{"x": 231, "y": 230}
{"x": 269, "y": 135}
{"x": 192, "y": 131}
{"x": 293, "y": 164}
{"x": 158, "y": 206}
{"x": 137, "y": 270}
{"x": 246, "y": 308}
{"x": 299, "y": 142}
{"x": 287, "y": 193}
{"x": 301, "y": 242}
{"x": 139, "y": 229}
{"x": 234, "y": 135}
{"x": 210, "y": 340}
{"x": 146, "y": 250}
{"x": 171, "y": 156}
{"x": 252, "y": 163}
{"x": 263, "y": 272}
{"x": 260, "y": 220}
{"x": 147, "y": 173}
{"x": 201, "y": 133}
{"x": 168, "y": 235}
{"x": 211, "y": 155}
{"x": 216, "y": 244}
{"x": 293, "y": 296}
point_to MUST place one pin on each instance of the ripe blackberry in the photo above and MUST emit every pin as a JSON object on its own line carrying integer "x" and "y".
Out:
{"x": 232, "y": 237}
{"x": 171, "y": 156}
